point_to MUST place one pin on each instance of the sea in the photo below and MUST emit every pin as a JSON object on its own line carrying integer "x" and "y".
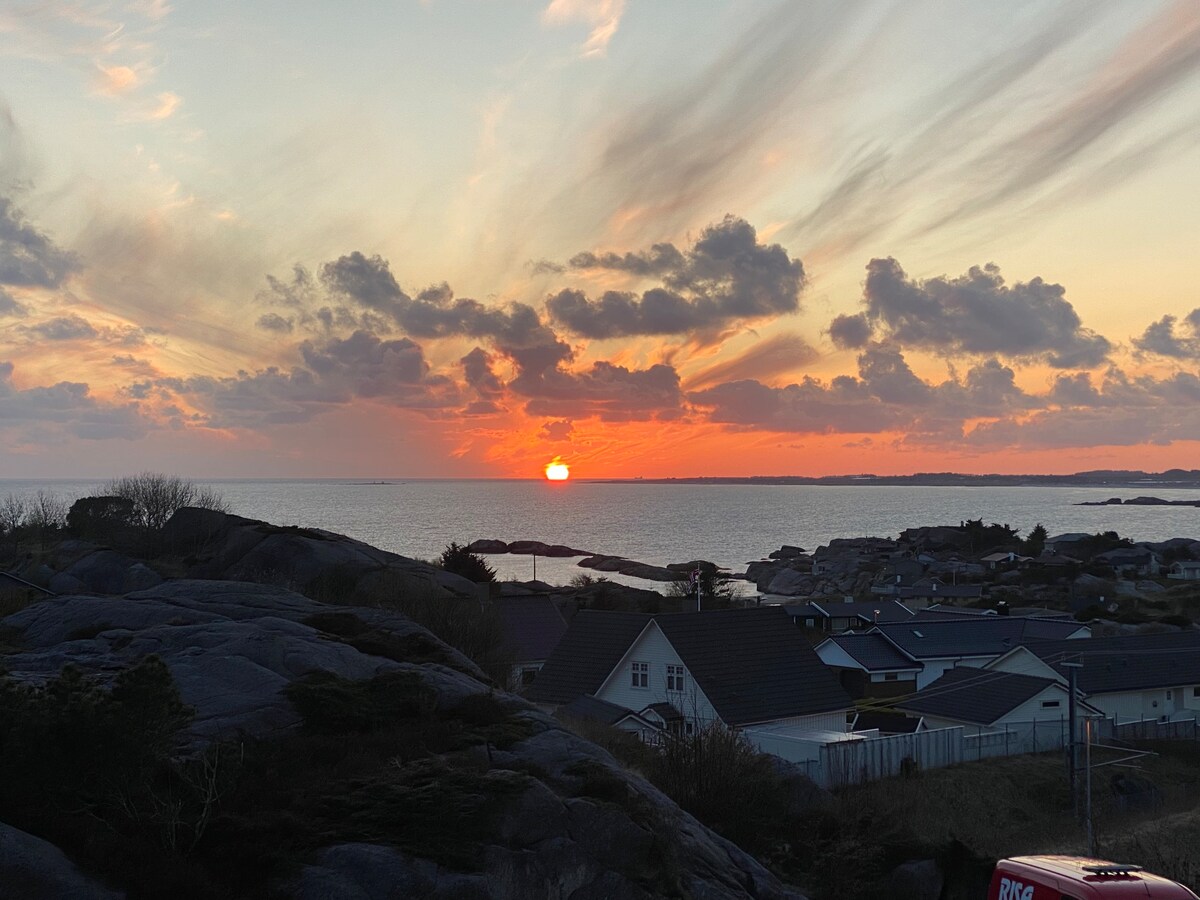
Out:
{"x": 728, "y": 524}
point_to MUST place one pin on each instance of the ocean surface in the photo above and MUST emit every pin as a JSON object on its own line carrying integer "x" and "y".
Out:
{"x": 730, "y": 525}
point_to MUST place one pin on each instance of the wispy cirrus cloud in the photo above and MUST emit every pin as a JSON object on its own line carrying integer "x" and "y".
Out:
{"x": 602, "y": 16}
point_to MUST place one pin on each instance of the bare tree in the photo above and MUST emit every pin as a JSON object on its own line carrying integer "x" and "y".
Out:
{"x": 47, "y": 514}
{"x": 13, "y": 509}
{"x": 157, "y": 497}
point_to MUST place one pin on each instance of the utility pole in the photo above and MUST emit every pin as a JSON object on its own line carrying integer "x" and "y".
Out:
{"x": 1073, "y": 754}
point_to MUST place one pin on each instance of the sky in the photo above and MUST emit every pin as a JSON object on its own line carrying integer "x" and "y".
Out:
{"x": 656, "y": 238}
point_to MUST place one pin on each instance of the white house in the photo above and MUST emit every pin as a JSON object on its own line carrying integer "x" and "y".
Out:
{"x": 1185, "y": 569}
{"x": 1129, "y": 678}
{"x": 745, "y": 668}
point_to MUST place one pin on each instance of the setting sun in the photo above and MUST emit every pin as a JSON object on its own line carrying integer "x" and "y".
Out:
{"x": 557, "y": 470}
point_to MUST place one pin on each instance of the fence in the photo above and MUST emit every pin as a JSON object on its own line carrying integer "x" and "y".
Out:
{"x": 847, "y": 762}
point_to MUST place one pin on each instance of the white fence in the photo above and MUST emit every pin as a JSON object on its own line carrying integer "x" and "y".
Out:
{"x": 855, "y": 762}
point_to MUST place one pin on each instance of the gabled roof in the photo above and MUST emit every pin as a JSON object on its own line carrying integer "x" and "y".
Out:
{"x": 977, "y": 696}
{"x": 874, "y": 652}
{"x": 752, "y": 665}
{"x": 533, "y": 626}
{"x": 1127, "y": 662}
{"x": 594, "y": 642}
{"x": 971, "y": 635}
{"x": 864, "y": 610}
{"x": 593, "y": 709}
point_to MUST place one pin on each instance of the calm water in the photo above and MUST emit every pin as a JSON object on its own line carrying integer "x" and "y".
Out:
{"x": 661, "y": 523}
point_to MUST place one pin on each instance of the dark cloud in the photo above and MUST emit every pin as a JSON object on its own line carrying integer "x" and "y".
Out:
{"x": 275, "y": 322}
{"x": 777, "y": 355}
{"x": 63, "y": 328}
{"x": 611, "y": 393}
{"x": 726, "y": 276}
{"x": 367, "y": 279}
{"x": 336, "y": 372}
{"x": 1164, "y": 338}
{"x": 557, "y": 431}
{"x": 70, "y": 406}
{"x": 9, "y": 306}
{"x": 850, "y": 332}
{"x": 978, "y": 313}
{"x": 477, "y": 370}
{"x": 370, "y": 367}
{"x": 27, "y": 257}
{"x": 885, "y": 396}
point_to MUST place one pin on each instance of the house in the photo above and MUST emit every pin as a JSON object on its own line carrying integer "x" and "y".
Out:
{"x": 1065, "y": 543}
{"x": 868, "y": 665}
{"x": 1186, "y": 569}
{"x": 1130, "y": 677}
{"x": 741, "y": 667}
{"x": 939, "y": 645}
{"x": 587, "y": 708}
{"x": 834, "y": 618}
{"x": 1001, "y": 561}
{"x": 532, "y": 627}
{"x": 924, "y": 591}
{"x": 1129, "y": 561}
{"x": 990, "y": 700}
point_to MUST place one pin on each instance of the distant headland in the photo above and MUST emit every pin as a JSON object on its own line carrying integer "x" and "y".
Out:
{"x": 1172, "y": 478}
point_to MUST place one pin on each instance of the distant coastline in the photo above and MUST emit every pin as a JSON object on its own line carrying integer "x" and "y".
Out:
{"x": 1172, "y": 478}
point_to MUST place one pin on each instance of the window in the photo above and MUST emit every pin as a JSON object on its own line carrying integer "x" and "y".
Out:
{"x": 1050, "y": 704}
{"x": 1196, "y": 692}
{"x": 891, "y": 676}
{"x": 689, "y": 728}
{"x": 527, "y": 676}
{"x": 675, "y": 678}
{"x": 640, "y": 675}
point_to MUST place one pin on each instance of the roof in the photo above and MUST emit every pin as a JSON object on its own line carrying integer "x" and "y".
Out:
{"x": 593, "y": 644}
{"x": 1128, "y": 662}
{"x": 1129, "y": 880}
{"x": 593, "y": 709}
{"x": 887, "y": 722}
{"x": 533, "y": 626}
{"x": 978, "y": 696}
{"x": 752, "y": 665}
{"x": 957, "y": 636}
{"x": 1069, "y": 537}
{"x": 874, "y": 652}
{"x": 865, "y": 610}
{"x": 937, "y": 589}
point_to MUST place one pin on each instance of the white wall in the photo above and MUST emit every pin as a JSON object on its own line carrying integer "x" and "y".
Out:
{"x": 652, "y": 647}
{"x": 833, "y": 655}
{"x": 935, "y": 668}
{"x": 1133, "y": 706}
{"x": 1022, "y": 662}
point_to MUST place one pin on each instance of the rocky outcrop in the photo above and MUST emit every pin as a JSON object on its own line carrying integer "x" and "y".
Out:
{"x": 534, "y": 548}
{"x": 33, "y": 869}
{"x": 558, "y": 816}
{"x": 630, "y": 567}
{"x": 216, "y": 545}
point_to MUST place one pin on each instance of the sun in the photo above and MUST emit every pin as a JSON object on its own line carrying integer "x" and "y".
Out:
{"x": 557, "y": 470}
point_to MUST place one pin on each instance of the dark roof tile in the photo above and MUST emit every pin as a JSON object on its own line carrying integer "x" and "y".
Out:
{"x": 977, "y": 696}
{"x": 594, "y": 643}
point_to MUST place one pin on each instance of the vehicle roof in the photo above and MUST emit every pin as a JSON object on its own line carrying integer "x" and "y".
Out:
{"x": 1074, "y": 867}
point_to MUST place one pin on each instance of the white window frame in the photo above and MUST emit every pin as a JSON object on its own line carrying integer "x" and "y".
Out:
{"x": 639, "y": 675}
{"x": 676, "y": 676}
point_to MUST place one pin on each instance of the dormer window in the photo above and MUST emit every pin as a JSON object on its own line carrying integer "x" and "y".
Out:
{"x": 639, "y": 675}
{"x": 675, "y": 677}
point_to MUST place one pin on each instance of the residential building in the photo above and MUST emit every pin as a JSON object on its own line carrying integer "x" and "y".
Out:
{"x": 869, "y": 665}
{"x": 741, "y": 667}
{"x": 532, "y": 627}
{"x": 834, "y": 618}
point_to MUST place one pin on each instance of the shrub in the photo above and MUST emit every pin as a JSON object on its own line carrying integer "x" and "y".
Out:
{"x": 717, "y": 776}
{"x": 157, "y": 497}
{"x": 46, "y": 515}
{"x": 100, "y": 516}
{"x": 13, "y": 509}
{"x": 462, "y": 561}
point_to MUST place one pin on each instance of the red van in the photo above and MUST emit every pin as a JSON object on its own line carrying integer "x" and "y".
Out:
{"x": 1077, "y": 878}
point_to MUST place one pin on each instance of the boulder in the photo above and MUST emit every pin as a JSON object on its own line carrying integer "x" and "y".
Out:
{"x": 1150, "y": 587}
{"x": 790, "y": 583}
{"x": 536, "y": 548}
{"x": 372, "y": 872}
{"x": 34, "y": 869}
{"x": 917, "y": 880}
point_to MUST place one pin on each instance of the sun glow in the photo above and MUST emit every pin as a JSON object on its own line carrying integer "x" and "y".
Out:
{"x": 557, "y": 470}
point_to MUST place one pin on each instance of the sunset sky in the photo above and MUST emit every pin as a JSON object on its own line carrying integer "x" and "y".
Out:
{"x": 650, "y": 237}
